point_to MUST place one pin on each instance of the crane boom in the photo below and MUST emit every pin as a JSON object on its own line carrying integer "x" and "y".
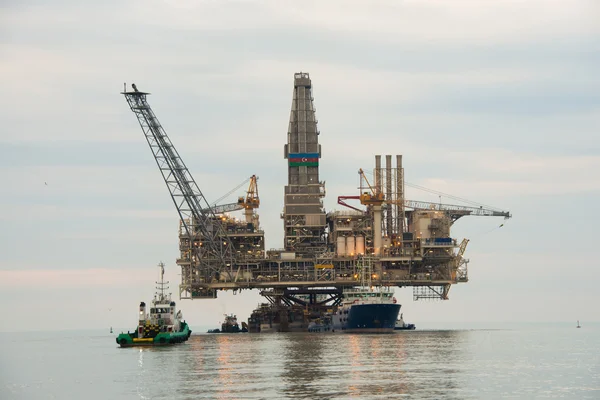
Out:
{"x": 251, "y": 201}
{"x": 233, "y": 190}
{"x": 198, "y": 218}
{"x": 456, "y": 211}
{"x": 225, "y": 208}
{"x": 366, "y": 198}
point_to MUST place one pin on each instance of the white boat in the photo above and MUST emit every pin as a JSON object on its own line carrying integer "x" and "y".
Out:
{"x": 403, "y": 326}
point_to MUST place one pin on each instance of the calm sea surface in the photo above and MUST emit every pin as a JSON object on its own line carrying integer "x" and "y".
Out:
{"x": 519, "y": 363}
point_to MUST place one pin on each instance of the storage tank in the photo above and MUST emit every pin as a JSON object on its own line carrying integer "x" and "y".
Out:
{"x": 340, "y": 248}
{"x": 287, "y": 255}
{"x": 350, "y": 246}
{"x": 360, "y": 245}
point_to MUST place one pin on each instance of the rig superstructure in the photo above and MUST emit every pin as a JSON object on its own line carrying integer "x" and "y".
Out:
{"x": 409, "y": 241}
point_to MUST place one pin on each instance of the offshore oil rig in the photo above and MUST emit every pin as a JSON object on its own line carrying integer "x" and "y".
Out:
{"x": 408, "y": 242}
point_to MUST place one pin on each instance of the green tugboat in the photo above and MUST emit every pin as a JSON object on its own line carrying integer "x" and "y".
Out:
{"x": 162, "y": 326}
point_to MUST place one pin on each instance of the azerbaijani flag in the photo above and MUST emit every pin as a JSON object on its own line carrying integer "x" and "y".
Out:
{"x": 304, "y": 160}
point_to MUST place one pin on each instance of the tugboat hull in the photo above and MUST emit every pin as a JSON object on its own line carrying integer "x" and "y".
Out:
{"x": 230, "y": 325}
{"x": 403, "y": 326}
{"x": 161, "y": 339}
{"x": 407, "y": 327}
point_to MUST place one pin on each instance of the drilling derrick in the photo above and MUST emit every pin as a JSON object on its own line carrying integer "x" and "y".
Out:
{"x": 207, "y": 251}
{"x": 303, "y": 215}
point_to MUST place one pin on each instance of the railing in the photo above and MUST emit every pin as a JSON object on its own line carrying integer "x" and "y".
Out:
{"x": 430, "y": 242}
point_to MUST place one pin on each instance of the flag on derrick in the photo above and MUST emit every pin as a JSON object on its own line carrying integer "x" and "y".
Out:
{"x": 304, "y": 160}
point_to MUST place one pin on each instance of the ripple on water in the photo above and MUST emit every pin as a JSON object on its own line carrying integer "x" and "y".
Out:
{"x": 421, "y": 364}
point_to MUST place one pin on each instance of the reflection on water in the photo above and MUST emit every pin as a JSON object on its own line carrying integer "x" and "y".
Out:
{"x": 309, "y": 366}
{"x": 355, "y": 362}
{"x": 303, "y": 366}
{"x": 523, "y": 364}
{"x": 225, "y": 366}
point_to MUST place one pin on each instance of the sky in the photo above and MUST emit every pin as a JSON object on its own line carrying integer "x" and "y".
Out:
{"x": 496, "y": 101}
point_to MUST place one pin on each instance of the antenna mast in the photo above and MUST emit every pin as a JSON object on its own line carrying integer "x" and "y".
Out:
{"x": 162, "y": 284}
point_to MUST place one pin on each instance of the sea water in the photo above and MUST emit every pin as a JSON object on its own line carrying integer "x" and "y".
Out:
{"x": 512, "y": 362}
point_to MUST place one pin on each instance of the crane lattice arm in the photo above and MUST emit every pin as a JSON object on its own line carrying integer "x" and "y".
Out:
{"x": 232, "y": 190}
{"x": 455, "y": 211}
{"x": 460, "y": 263}
{"x": 366, "y": 198}
{"x": 225, "y": 208}
{"x": 251, "y": 201}
{"x": 196, "y": 214}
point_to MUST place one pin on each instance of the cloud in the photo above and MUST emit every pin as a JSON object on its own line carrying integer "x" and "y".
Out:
{"x": 87, "y": 181}
{"x": 520, "y": 175}
{"x": 490, "y": 101}
{"x": 230, "y": 80}
{"x": 441, "y": 21}
{"x": 67, "y": 278}
{"x": 406, "y": 21}
{"x": 58, "y": 212}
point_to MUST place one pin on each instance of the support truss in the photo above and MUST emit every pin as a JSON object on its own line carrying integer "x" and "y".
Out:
{"x": 209, "y": 243}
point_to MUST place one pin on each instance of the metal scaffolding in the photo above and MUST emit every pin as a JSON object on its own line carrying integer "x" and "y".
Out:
{"x": 408, "y": 242}
{"x": 303, "y": 213}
